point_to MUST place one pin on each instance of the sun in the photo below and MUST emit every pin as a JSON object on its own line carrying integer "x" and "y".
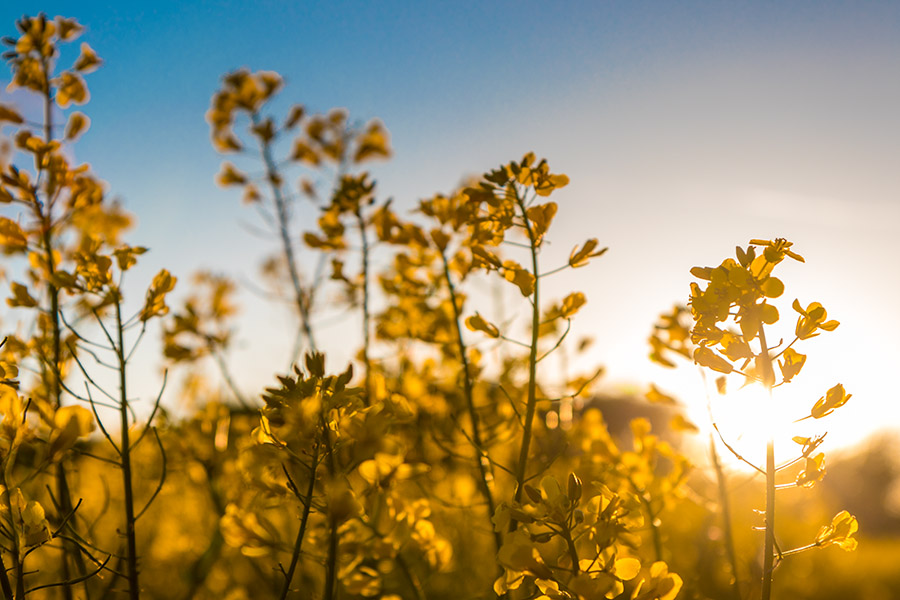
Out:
{"x": 749, "y": 415}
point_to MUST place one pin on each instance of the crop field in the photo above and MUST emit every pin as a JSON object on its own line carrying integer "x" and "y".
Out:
{"x": 451, "y": 437}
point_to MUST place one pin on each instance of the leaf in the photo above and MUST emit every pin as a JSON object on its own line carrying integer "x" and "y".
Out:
{"x": 579, "y": 257}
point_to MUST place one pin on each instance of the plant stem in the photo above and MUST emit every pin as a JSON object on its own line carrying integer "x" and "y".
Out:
{"x": 410, "y": 578}
{"x": 654, "y": 526}
{"x": 46, "y": 218}
{"x": 573, "y": 551}
{"x": 226, "y": 375}
{"x": 273, "y": 177}
{"x": 769, "y": 546}
{"x": 361, "y": 222}
{"x": 16, "y": 551}
{"x": 307, "y": 505}
{"x": 532, "y": 359}
{"x": 4, "y": 582}
{"x": 480, "y": 458}
{"x": 330, "y": 590}
{"x": 125, "y": 448}
{"x": 726, "y": 517}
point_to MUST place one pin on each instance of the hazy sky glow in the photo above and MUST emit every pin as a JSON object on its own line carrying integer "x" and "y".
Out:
{"x": 686, "y": 128}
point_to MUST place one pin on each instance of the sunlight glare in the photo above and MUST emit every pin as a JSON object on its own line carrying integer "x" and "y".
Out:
{"x": 749, "y": 415}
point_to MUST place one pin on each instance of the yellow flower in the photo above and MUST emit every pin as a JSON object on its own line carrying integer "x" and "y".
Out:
{"x": 842, "y": 527}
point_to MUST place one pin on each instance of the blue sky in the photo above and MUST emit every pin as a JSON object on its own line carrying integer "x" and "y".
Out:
{"x": 686, "y": 129}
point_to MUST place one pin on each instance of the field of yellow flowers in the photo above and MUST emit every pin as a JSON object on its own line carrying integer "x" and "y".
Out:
{"x": 461, "y": 467}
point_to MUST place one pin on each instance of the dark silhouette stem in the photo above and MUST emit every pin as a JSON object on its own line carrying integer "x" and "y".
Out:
{"x": 307, "y": 505}
{"x": 125, "y": 446}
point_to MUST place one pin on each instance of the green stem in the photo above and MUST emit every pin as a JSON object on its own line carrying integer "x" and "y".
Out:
{"x": 480, "y": 458}
{"x": 573, "y": 551}
{"x": 307, "y": 505}
{"x": 125, "y": 448}
{"x": 532, "y": 360}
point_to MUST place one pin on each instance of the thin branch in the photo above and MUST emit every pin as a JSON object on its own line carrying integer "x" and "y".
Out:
{"x": 558, "y": 342}
{"x": 100, "y": 422}
{"x": 73, "y": 581}
{"x": 162, "y": 477}
{"x": 155, "y": 409}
